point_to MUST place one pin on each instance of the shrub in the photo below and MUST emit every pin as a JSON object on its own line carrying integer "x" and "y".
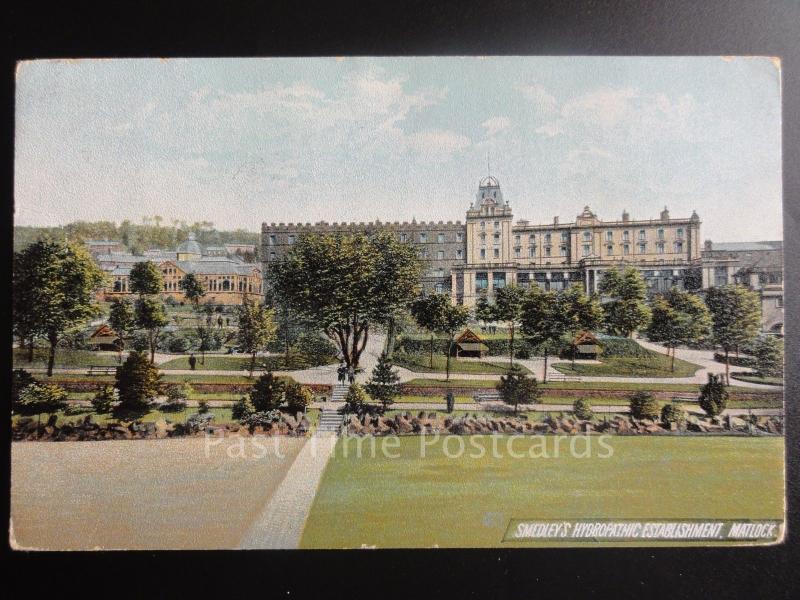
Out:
{"x": 523, "y": 353}
{"x": 38, "y": 398}
{"x": 673, "y": 413}
{"x": 314, "y": 348}
{"x": 177, "y": 395}
{"x": 242, "y": 409}
{"x": 104, "y": 400}
{"x": 178, "y": 344}
{"x": 643, "y": 405}
{"x": 138, "y": 383}
{"x": 713, "y": 396}
{"x": 768, "y": 352}
{"x": 139, "y": 342}
{"x": 263, "y": 418}
{"x": 202, "y": 407}
{"x": 582, "y": 409}
{"x": 267, "y": 393}
{"x": 298, "y": 397}
{"x": 20, "y": 379}
{"x": 176, "y": 392}
{"x": 356, "y": 398}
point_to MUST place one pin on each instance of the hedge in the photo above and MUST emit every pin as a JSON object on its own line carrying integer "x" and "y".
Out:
{"x": 612, "y": 347}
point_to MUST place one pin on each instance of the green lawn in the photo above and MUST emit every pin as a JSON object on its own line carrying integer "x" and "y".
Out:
{"x": 558, "y": 385}
{"x": 421, "y": 364}
{"x": 65, "y": 358}
{"x": 240, "y": 363}
{"x": 413, "y": 501}
{"x": 657, "y": 365}
{"x": 753, "y": 378}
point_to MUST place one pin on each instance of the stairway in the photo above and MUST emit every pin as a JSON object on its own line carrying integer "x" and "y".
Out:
{"x": 339, "y": 393}
{"x": 329, "y": 420}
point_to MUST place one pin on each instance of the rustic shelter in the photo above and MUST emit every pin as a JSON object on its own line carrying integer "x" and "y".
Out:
{"x": 469, "y": 344}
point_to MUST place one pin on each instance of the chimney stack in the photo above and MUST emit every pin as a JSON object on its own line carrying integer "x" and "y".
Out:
{"x": 625, "y": 216}
{"x": 555, "y": 220}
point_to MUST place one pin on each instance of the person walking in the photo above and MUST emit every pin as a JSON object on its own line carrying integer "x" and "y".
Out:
{"x": 340, "y": 373}
{"x": 192, "y": 361}
{"x": 351, "y": 375}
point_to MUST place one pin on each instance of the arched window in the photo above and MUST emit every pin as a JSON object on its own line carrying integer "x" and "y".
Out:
{"x": 226, "y": 285}
{"x": 117, "y": 286}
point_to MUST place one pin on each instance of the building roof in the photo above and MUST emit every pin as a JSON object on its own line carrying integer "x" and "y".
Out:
{"x": 215, "y": 267}
{"x": 190, "y": 246}
{"x": 745, "y": 246}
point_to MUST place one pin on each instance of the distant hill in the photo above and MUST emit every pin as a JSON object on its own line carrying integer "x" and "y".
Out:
{"x": 136, "y": 237}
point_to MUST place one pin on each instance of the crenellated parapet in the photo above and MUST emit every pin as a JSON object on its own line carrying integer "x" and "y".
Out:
{"x": 326, "y": 227}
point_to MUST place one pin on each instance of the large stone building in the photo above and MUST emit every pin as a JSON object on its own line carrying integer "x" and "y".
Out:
{"x": 757, "y": 265}
{"x": 490, "y": 250}
{"x": 226, "y": 280}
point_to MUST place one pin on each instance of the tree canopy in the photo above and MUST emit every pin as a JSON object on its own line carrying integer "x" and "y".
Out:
{"x": 678, "y": 317}
{"x": 54, "y": 285}
{"x": 508, "y": 307}
{"x": 343, "y": 283}
{"x": 626, "y": 311}
{"x": 256, "y": 329}
{"x": 735, "y": 316}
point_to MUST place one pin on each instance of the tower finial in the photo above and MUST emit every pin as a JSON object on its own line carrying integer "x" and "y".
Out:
{"x": 488, "y": 164}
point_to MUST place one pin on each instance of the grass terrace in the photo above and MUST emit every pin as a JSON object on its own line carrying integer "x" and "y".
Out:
{"x": 242, "y": 363}
{"x": 655, "y": 365}
{"x": 65, "y": 358}
{"x": 755, "y": 378}
{"x": 421, "y": 363}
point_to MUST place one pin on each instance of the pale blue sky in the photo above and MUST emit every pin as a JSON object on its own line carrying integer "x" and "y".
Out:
{"x": 241, "y": 141}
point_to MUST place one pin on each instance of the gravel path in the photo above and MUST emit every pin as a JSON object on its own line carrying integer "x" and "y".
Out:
{"x": 281, "y": 523}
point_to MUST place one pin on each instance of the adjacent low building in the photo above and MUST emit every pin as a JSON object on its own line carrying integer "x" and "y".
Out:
{"x": 757, "y": 265}
{"x": 226, "y": 280}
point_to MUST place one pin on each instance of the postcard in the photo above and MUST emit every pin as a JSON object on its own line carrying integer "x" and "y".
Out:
{"x": 421, "y": 302}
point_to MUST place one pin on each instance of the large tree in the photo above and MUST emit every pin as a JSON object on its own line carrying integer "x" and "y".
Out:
{"x": 343, "y": 283}
{"x": 542, "y": 322}
{"x": 151, "y": 316}
{"x": 454, "y": 319}
{"x": 57, "y": 291}
{"x": 625, "y": 310}
{"x": 735, "y": 316}
{"x": 256, "y": 329}
{"x": 579, "y": 312}
{"x": 192, "y": 288}
{"x": 678, "y": 317}
{"x": 429, "y": 312}
{"x": 508, "y": 307}
{"x": 145, "y": 279}
{"x": 122, "y": 320}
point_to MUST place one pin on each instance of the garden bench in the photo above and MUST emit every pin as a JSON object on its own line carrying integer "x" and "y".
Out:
{"x": 486, "y": 397}
{"x": 102, "y": 370}
{"x": 562, "y": 377}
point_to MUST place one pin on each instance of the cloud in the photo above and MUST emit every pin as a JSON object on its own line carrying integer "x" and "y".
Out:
{"x": 436, "y": 144}
{"x": 543, "y": 100}
{"x": 496, "y": 125}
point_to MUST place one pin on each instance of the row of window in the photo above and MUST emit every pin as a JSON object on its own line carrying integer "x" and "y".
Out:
{"x": 587, "y": 236}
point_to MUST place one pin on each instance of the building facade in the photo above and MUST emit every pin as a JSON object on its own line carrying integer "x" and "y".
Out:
{"x": 225, "y": 280}
{"x": 489, "y": 250}
{"x": 757, "y": 265}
